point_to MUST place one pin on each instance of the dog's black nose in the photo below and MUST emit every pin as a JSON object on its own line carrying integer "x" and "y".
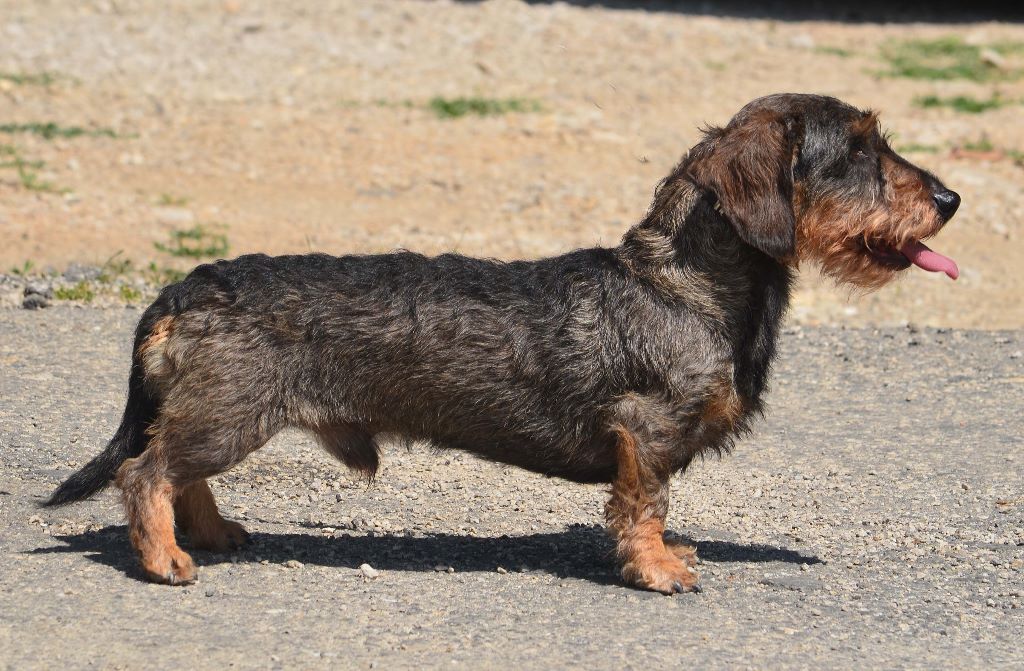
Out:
{"x": 947, "y": 202}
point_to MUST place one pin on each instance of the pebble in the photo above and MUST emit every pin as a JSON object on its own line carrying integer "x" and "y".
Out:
{"x": 802, "y": 41}
{"x": 34, "y": 302}
{"x": 174, "y": 216}
{"x": 368, "y": 571}
{"x": 39, "y": 288}
{"x": 993, "y": 58}
{"x": 293, "y": 563}
{"x": 79, "y": 273}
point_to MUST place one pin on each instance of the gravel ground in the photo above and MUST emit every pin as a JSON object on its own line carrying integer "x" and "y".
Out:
{"x": 876, "y": 519}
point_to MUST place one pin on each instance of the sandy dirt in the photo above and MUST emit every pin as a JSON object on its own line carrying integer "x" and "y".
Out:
{"x": 306, "y": 127}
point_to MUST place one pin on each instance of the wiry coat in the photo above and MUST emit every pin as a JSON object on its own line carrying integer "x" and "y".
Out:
{"x": 602, "y": 365}
{"x": 525, "y": 362}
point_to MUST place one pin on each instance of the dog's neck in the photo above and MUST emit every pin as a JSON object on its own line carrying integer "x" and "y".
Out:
{"x": 686, "y": 249}
{"x": 689, "y": 252}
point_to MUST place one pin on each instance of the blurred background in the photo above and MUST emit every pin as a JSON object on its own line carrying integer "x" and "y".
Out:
{"x": 138, "y": 138}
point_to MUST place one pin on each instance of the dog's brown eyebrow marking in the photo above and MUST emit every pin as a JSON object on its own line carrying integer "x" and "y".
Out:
{"x": 867, "y": 125}
{"x": 605, "y": 365}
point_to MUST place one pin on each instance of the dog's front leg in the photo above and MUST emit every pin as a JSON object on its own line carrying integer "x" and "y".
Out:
{"x": 636, "y": 516}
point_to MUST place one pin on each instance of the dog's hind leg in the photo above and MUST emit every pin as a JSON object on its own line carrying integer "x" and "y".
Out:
{"x": 148, "y": 502}
{"x": 196, "y": 514}
{"x": 168, "y": 479}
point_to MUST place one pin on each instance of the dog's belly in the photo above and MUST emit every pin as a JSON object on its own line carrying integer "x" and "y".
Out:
{"x": 592, "y": 463}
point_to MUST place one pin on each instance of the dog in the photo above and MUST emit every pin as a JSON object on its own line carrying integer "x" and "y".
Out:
{"x": 606, "y": 365}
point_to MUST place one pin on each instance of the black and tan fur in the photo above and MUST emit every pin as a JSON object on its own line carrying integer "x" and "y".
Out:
{"x": 612, "y": 365}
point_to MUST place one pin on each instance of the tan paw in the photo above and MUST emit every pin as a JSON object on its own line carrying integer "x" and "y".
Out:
{"x": 687, "y": 553}
{"x": 666, "y": 574}
{"x": 171, "y": 567}
{"x": 221, "y": 536}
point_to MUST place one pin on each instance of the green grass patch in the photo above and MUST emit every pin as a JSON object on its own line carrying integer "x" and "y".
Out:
{"x": 984, "y": 145}
{"x": 26, "y": 170}
{"x": 82, "y": 291}
{"x": 50, "y": 130}
{"x": 30, "y": 79}
{"x": 964, "y": 104}
{"x": 129, "y": 294}
{"x": 946, "y": 58}
{"x": 170, "y": 200}
{"x": 198, "y": 242}
{"x": 161, "y": 276}
{"x": 394, "y": 104}
{"x": 981, "y": 144}
{"x": 114, "y": 267}
{"x": 1008, "y": 48}
{"x": 454, "y": 108}
{"x": 30, "y": 180}
{"x": 24, "y": 270}
{"x": 834, "y": 51}
{"x": 916, "y": 148}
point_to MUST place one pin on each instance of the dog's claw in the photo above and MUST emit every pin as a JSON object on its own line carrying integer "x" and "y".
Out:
{"x": 173, "y": 578}
{"x": 680, "y": 588}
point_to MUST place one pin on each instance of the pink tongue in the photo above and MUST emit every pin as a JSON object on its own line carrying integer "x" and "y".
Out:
{"x": 922, "y": 257}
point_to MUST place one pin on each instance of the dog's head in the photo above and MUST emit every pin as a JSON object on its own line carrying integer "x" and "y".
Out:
{"x": 810, "y": 177}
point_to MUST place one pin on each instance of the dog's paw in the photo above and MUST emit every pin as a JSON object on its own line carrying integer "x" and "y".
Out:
{"x": 687, "y": 553}
{"x": 171, "y": 567}
{"x": 221, "y": 536}
{"x": 667, "y": 574}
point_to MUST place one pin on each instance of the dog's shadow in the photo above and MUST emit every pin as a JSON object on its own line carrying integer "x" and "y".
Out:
{"x": 580, "y": 551}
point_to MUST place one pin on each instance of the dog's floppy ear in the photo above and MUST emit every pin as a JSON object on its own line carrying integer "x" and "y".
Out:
{"x": 748, "y": 166}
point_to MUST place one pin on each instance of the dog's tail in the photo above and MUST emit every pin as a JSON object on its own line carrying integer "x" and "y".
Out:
{"x": 130, "y": 439}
